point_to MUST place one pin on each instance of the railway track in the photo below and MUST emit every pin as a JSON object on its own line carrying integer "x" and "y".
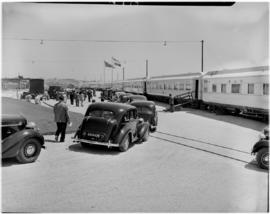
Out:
{"x": 212, "y": 148}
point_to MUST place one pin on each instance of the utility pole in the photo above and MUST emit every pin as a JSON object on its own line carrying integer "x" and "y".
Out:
{"x": 146, "y": 63}
{"x": 202, "y": 55}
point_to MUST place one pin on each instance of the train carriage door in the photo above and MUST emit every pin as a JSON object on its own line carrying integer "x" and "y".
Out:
{"x": 196, "y": 89}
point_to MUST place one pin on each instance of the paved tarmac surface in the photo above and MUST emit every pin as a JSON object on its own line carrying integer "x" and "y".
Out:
{"x": 195, "y": 162}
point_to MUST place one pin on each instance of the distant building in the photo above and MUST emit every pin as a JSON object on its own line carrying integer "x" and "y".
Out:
{"x": 14, "y": 83}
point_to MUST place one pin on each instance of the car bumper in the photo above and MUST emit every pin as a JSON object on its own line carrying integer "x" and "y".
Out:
{"x": 108, "y": 144}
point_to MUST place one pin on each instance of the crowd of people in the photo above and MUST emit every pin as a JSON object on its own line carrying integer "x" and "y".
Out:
{"x": 78, "y": 97}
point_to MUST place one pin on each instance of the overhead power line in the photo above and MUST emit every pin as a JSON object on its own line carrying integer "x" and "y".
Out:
{"x": 165, "y": 42}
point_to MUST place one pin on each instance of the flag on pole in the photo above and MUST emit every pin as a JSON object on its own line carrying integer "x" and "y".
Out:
{"x": 116, "y": 62}
{"x": 108, "y": 65}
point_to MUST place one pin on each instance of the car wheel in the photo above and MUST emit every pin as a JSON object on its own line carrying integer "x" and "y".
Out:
{"x": 124, "y": 145}
{"x": 146, "y": 135}
{"x": 29, "y": 151}
{"x": 263, "y": 158}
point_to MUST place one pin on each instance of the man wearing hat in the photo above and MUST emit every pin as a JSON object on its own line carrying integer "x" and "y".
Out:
{"x": 61, "y": 118}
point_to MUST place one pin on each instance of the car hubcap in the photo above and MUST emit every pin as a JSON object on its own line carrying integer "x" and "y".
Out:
{"x": 265, "y": 159}
{"x": 30, "y": 150}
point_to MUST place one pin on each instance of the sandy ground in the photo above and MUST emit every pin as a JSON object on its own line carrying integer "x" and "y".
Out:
{"x": 195, "y": 162}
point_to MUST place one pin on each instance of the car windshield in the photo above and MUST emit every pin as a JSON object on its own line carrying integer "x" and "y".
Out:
{"x": 101, "y": 113}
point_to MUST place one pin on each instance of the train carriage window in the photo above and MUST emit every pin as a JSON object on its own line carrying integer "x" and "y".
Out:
{"x": 214, "y": 88}
{"x": 175, "y": 86}
{"x": 250, "y": 88}
{"x": 265, "y": 89}
{"x": 170, "y": 87}
{"x": 223, "y": 88}
{"x": 188, "y": 86}
{"x": 182, "y": 86}
{"x": 235, "y": 88}
{"x": 205, "y": 86}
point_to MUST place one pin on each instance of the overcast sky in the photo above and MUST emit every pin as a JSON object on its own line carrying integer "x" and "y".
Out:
{"x": 234, "y": 37}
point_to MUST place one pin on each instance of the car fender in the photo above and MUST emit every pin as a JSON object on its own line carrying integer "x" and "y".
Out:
{"x": 142, "y": 129}
{"x": 11, "y": 144}
{"x": 122, "y": 133}
{"x": 259, "y": 145}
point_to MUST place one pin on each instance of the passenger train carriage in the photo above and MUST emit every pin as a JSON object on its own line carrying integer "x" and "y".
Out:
{"x": 245, "y": 90}
{"x": 136, "y": 86}
{"x": 175, "y": 85}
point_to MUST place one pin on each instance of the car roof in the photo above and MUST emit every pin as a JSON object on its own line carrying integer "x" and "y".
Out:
{"x": 143, "y": 103}
{"x": 115, "y": 107}
{"x": 136, "y": 96}
{"x": 120, "y": 92}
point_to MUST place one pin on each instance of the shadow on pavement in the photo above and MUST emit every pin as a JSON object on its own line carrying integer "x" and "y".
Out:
{"x": 50, "y": 141}
{"x": 253, "y": 166}
{"x": 94, "y": 149}
{"x": 236, "y": 120}
{"x": 9, "y": 162}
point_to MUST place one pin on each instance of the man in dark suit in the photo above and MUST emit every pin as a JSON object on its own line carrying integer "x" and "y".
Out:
{"x": 71, "y": 96}
{"x": 61, "y": 117}
{"x": 171, "y": 103}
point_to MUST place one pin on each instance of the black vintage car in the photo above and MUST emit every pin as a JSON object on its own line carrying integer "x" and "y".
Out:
{"x": 20, "y": 139}
{"x": 107, "y": 94}
{"x": 261, "y": 149}
{"x": 111, "y": 125}
{"x": 54, "y": 91}
{"x": 147, "y": 110}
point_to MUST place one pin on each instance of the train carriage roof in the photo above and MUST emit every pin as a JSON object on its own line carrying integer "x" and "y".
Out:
{"x": 251, "y": 71}
{"x": 177, "y": 76}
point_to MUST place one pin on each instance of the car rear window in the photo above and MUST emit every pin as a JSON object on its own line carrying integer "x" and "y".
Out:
{"x": 143, "y": 109}
{"x": 137, "y": 98}
{"x": 101, "y": 113}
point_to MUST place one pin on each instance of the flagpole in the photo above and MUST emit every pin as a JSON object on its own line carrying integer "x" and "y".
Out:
{"x": 112, "y": 77}
{"x": 104, "y": 74}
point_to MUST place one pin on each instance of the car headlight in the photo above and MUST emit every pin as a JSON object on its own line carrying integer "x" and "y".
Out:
{"x": 262, "y": 136}
{"x": 32, "y": 125}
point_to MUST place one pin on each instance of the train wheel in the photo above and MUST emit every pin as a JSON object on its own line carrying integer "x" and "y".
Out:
{"x": 220, "y": 111}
